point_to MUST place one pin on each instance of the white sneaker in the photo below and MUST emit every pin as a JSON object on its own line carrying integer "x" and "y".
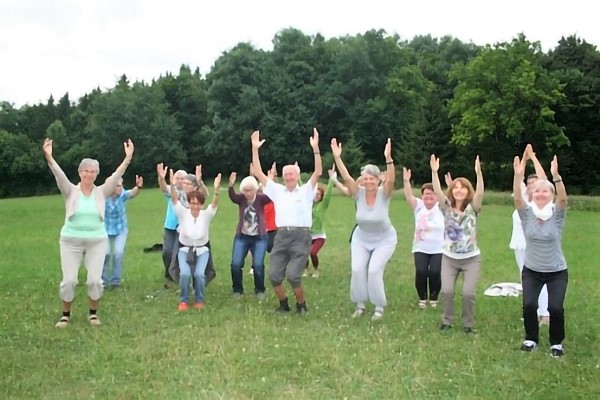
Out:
{"x": 377, "y": 315}
{"x": 315, "y": 274}
{"x": 422, "y": 303}
{"x": 251, "y": 272}
{"x": 358, "y": 313}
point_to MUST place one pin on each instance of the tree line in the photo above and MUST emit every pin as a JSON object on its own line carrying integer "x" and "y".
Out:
{"x": 429, "y": 95}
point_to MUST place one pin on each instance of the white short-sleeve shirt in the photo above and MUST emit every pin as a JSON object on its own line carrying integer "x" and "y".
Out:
{"x": 194, "y": 231}
{"x": 292, "y": 207}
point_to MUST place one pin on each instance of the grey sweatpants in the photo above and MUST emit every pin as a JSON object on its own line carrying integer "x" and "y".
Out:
{"x": 470, "y": 268}
{"x": 72, "y": 252}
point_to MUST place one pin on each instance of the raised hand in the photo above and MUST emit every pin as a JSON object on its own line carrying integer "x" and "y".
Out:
{"x": 171, "y": 177}
{"x": 128, "y": 145}
{"x": 162, "y": 170}
{"x": 332, "y": 173}
{"x": 272, "y": 173}
{"x": 519, "y": 166}
{"x": 198, "y": 173}
{"x": 477, "y": 166}
{"x": 387, "y": 152}
{"x": 217, "y": 183}
{"x": 434, "y": 163}
{"x": 232, "y": 178}
{"x": 336, "y": 149}
{"x": 448, "y": 179}
{"x": 406, "y": 174}
{"x": 139, "y": 181}
{"x": 47, "y": 147}
{"x": 529, "y": 154}
{"x": 554, "y": 167}
{"x": 255, "y": 139}
{"x": 314, "y": 140}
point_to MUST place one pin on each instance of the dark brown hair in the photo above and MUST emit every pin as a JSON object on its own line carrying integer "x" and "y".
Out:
{"x": 427, "y": 186}
{"x": 196, "y": 195}
{"x": 320, "y": 190}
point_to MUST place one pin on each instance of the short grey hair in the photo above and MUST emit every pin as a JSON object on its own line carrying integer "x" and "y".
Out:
{"x": 89, "y": 162}
{"x": 248, "y": 182}
{"x": 543, "y": 183}
{"x": 191, "y": 178}
{"x": 371, "y": 169}
{"x": 294, "y": 167}
{"x": 181, "y": 173}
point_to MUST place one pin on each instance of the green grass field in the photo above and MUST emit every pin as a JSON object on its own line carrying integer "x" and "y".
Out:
{"x": 145, "y": 349}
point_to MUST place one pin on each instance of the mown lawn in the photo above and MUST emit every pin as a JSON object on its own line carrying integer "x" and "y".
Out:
{"x": 145, "y": 349}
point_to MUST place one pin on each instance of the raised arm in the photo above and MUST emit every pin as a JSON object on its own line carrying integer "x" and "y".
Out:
{"x": 327, "y": 194}
{"x": 111, "y": 182}
{"x": 233, "y": 196}
{"x": 139, "y": 183}
{"x": 161, "y": 172}
{"x": 390, "y": 174}
{"x": 408, "y": 193}
{"x": 173, "y": 188}
{"x": 539, "y": 170}
{"x": 519, "y": 168}
{"x": 257, "y": 169}
{"x": 336, "y": 150}
{"x": 333, "y": 178}
{"x": 63, "y": 183}
{"x": 561, "y": 191}
{"x": 479, "y": 189}
{"x": 434, "y": 163}
{"x": 217, "y": 193}
{"x": 314, "y": 143}
{"x": 201, "y": 186}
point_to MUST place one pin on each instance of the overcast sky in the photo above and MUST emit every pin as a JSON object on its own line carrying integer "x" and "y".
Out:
{"x": 57, "y": 46}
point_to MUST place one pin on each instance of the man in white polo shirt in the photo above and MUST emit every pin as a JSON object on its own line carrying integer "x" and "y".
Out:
{"x": 293, "y": 217}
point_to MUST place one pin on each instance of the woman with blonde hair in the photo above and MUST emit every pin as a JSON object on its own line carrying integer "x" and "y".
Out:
{"x": 461, "y": 205}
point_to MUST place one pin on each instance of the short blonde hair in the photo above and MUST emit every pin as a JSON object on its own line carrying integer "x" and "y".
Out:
{"x": 543, "y": 183}
{"x": 248, "y": 182}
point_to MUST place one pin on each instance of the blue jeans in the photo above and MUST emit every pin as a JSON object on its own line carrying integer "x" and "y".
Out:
{"x": 257, "y": 245}
{"x": 118, "y": 243}
{"x": 185, "y": 273}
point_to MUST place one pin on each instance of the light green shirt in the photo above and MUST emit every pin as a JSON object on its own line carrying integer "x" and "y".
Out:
{"x": 86, "y": 222}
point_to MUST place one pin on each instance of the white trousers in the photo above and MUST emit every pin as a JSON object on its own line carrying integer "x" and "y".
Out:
{"x": 73, "y": 252}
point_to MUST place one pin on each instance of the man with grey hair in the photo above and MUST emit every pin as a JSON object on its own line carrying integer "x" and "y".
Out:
{"x": 293, "y": 217}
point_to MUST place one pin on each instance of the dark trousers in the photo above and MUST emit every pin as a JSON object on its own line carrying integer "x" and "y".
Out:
{"x": 556, "y": 282}
{"x": 428, "y": 268}
{"x": 170, "y": 248}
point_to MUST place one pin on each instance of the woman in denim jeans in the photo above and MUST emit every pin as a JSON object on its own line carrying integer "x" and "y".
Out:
{"x": 115, "y": 221}
{"x": 251, "y": 235}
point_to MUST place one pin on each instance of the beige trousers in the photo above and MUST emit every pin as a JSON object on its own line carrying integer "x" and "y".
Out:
{"x": 451, "y": 268}
{"x": 72, "y": 252}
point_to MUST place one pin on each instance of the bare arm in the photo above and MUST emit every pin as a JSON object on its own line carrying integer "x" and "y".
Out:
{"x": 314, "y": 143}
{"x": 519, "y": 167}
{"x": 539, "y": 170}
{"x": 390, "y": 173}
{"x": 479, "y": 189}
{"x": 139, "y": 183}
{"x": 408, "y": 193}
{"x": 161, "y": 172}
{"x": 561, "y": 191}
{"x": 256, "y": 167}
{"x": 351, "y": 184}
{"x": 174, "y": 194}
{"x": 217, "y": 194}
{"x": 435, "y": 180}
{"x": 63, "y": 183}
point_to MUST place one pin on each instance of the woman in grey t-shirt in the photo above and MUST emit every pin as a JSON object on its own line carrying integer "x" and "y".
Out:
{"x": 374, "y": 239}
{"x": 545, "y": 263}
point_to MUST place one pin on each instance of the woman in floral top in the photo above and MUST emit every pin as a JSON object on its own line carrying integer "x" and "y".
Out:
{"x": 461, "y": 206}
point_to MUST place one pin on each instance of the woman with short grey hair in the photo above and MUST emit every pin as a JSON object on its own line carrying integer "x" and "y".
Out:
{"x": 543, "y": 222}
{"x": 374, "y": 240}
{"x": 83, "y": 237}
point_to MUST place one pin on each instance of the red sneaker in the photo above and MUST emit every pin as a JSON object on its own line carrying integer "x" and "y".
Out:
{"x": 182, "y": 306}
{"x": 198, "y": 305}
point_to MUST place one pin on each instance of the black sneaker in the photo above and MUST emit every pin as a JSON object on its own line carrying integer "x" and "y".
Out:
{"x": 556, "y": 351}
{"x": 528, "y": 346}
{"x": 283, "y": 306}
{"x": 301, "y": 308}
{"x": 444, "y": 327}
{"x": 468, "y": 330}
